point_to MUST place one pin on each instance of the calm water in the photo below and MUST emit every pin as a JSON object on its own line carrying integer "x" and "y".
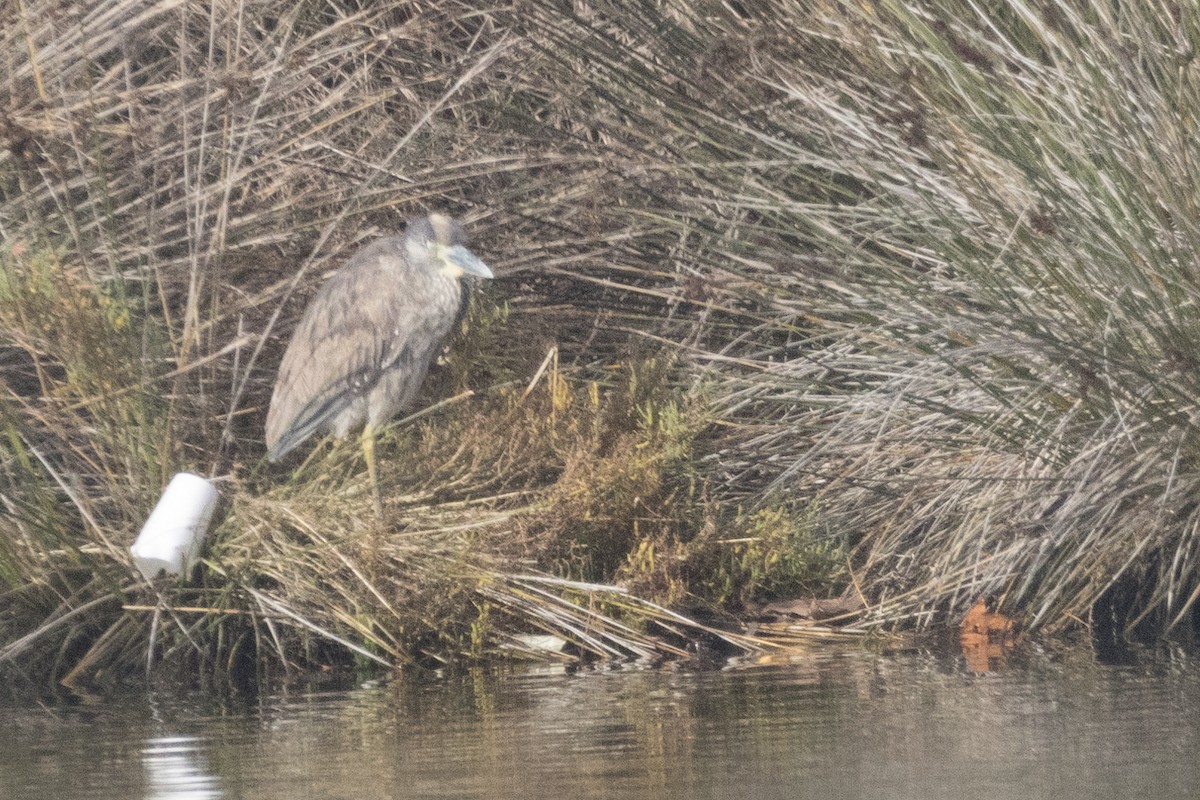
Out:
{"x": 827, "y": 725}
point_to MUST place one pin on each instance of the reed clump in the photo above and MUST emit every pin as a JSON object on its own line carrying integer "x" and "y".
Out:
{"x": 485, "y": 502}
{"x": 792, "y": 296}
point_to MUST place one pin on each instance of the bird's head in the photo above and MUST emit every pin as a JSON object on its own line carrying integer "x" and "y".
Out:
{"x": 439, "y": 242}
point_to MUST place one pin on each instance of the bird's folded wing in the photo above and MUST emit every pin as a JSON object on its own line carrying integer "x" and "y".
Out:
{"x": 360, "y": 323}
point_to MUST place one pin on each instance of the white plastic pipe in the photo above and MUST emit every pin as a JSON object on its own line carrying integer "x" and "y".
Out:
{"x": 170, "y": 540}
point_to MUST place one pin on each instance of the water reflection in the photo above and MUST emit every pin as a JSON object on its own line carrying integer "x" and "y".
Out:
{"x": 176, "y": 770}
{"x": 825, "y": 724}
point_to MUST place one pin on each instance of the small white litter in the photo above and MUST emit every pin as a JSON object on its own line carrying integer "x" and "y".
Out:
{"x": 547, "y": 642}
{"x": 170, "y": 540}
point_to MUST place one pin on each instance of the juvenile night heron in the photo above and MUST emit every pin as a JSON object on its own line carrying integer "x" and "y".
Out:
{"x": 361, "y": 350}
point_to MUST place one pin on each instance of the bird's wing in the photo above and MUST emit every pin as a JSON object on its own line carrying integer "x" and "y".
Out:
{"x": 368, "y": 316}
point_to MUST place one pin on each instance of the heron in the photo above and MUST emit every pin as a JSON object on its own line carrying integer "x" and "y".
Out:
{"x": 367, "y": 338}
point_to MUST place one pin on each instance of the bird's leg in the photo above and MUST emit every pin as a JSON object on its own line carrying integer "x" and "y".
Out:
{"x": 368, "y": 446}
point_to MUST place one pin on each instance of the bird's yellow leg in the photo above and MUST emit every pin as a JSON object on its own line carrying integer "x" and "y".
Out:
{"x": 368, "y": 446}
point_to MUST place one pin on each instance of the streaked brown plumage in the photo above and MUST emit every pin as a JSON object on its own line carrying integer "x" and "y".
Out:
{"x": 366, "y": 340}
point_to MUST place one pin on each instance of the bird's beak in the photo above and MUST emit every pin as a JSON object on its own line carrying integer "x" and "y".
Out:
{"x": 466, "y": 262}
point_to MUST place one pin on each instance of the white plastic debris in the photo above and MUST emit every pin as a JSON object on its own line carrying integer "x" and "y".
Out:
{"x": 170, "y": 540}
{"x": 547, "y": 642}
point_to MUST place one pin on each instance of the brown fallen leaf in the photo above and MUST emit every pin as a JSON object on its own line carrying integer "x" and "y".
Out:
{"x": 986, "y": 636}
{"x": 984, "y": 621}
